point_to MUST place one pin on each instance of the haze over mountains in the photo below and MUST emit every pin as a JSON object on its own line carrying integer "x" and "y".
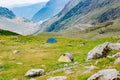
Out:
{"x": 52, "y": 8}
{"x": 8, "y": 21}
{"x": 28, "y": 11}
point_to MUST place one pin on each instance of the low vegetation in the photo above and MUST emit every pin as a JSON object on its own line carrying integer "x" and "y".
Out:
{"x": 34, "y": 52}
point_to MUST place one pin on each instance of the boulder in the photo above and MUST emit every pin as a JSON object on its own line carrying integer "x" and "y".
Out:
{"x": 67, "y": 57}
{"x": 99, "y": 51}
{"x": 117, "y": 55}
{"x": 58, "y": 78}
{"x": 109, "y": 74}
{"x": 34, "y": 72}
{"x": 114, "y": 46}
{"x": 117, "y": 61}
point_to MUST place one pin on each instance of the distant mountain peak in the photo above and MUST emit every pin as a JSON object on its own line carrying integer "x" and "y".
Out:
{"x": 52, "y": 8}
{"x": 5, "y": 12}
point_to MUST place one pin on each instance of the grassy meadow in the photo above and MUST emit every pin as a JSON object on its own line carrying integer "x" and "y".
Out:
{"x": 34, "y": 52}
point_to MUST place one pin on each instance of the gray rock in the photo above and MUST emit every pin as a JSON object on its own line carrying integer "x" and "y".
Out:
{"x": 99, "y": 51}
{"x": 58, "y": 78}
{"x": 32, "y": 79}
{"x": 34, "y": 72}
{"x": 16, "y": 51}
{"x": 114, "y": 46}
{"x": 109, "y": 74}
{"x": 117, "y": 55}
{"x": 89, "y": 69}
{"x": 117, "y": 61}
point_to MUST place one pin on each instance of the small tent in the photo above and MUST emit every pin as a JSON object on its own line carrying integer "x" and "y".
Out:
{"x": 51, "y": 40}
{"x": 67, "y": 57}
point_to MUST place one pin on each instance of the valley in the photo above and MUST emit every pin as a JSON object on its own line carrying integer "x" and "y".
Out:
{"x": 60, "y": 40}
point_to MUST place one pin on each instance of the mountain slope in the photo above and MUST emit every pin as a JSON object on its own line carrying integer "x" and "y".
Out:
{"x": 51, "y": 9}
{"x": 46, "y": 24}
{"x": 85, "y": 14}
{"x": 4, "y": 12}
{"x": 27, "y": 11}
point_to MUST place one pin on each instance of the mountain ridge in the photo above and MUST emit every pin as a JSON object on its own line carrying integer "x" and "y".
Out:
{"x": 85, "y": 12}
{"x": 52, "y": 8}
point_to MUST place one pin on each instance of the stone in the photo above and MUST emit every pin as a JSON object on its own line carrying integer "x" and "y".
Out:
{"x": 1, "y": 69}
{"x": 68, "y": 71}
{"x": 117, "y": 61}
{"x": 58, "y": 78}
{"x": 14, "y": 79}
{"x": 19, "y": 63}
{"x": 99, "y": 51}
{"x": 108, "y": 74}
{"x": 67, "y": 57}
{"x": 69, "y": 45}
{"x": 117, "y": 55}
{"x": 89, "y": 69}
{"x": 16, "y": 51}
{"x": 32, "y": 79}
{"x": 34, "y": 72}
{"x": 114, "y": 46}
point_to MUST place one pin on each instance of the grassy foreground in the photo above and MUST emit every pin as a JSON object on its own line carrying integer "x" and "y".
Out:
{"x": 35, "y": 53}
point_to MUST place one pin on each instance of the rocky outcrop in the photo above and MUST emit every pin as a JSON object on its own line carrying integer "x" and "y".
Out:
{"x": 99, "y": 51}
{"x": 58, "y": 78}
{"x": 103, "y": 50}
{"x": 34, "y": 72}
{"x": 109, "y": 74}
{"x": 114, "y": 46}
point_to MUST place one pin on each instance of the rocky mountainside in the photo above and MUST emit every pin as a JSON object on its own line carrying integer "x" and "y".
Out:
{"x": 28, "y": 11}
{"x": 84, "y": 14}
{"x": 4, "y": 12}
{"x": 52, "y": 8}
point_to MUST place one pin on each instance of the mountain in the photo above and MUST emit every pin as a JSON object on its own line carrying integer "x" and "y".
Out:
{"x": 52, "y": 8}
{"x": 4, "y": 12}
{"x": 9, "y": 22}
{"x": 84, "y": 14}
{"x": 28, "y": 11}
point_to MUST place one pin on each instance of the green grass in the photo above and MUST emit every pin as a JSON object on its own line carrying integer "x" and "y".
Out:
{"x": 35, "y": 53}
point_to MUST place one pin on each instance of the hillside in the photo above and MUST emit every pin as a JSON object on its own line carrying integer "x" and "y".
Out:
{"x": 28, "y": 11}
{"x": 7, "y": 33}
{"x": 52, "y": 8}
{"x": 83, "y": 15}
{"x": 4, "y": 12}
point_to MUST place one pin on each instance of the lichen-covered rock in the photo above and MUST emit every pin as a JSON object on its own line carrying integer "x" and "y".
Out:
{"x": 58, "y": 78}
{"x": 99, "y": 51}
{"x": 34, "y": 72}
{"x": 109, "y": 74}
